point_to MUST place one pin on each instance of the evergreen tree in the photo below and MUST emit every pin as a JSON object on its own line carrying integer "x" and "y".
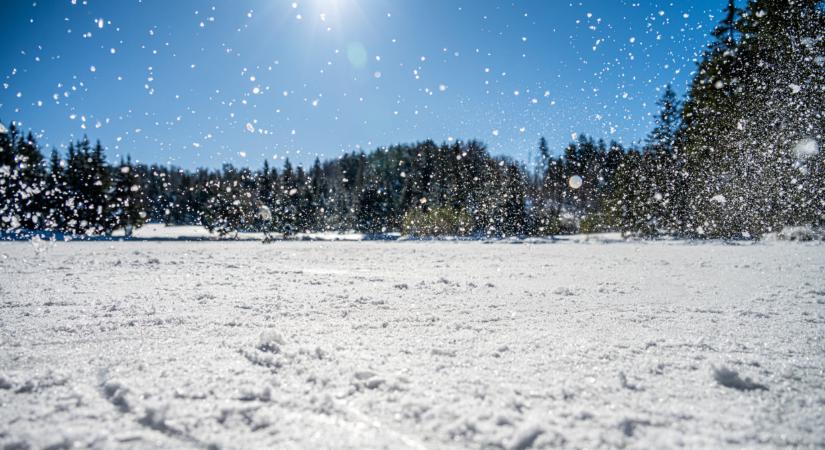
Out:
{"x": 9, "y": 205}
{"x": 781, "y": 104}
{"x": 629, "y": 199}
{"x": 56, "y": 194}
{"x": 544, "y": 157}
{"x": 660, "y": 169}
{"x": 288, "y": 202}
{"x": 319, "y": 188}
{"x": 88, "y": 180}
{"x": 31, "y": 182}
{"x": 707, "y": 124}
{"x": 663, "y": 137}
{"x": 757, "y": 97}
{"x": 22, "y": 181}
{"x": 229, "y": 208}
{"x": 127, "y": 204}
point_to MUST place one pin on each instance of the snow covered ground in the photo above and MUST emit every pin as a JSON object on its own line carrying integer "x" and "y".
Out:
{"x": 411, "y": 344}
{"x": 157, "y": 231}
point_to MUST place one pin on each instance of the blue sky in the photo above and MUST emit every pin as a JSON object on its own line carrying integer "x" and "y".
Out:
{"x": 199, "y": 83}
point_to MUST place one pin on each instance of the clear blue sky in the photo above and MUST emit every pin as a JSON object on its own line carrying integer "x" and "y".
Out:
{"x": 199, "y": 83}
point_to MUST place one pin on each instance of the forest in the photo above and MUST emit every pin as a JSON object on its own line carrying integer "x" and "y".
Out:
{"x": 737, "y": 157}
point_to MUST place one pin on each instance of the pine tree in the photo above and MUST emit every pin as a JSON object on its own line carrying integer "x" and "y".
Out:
{"x": 230, "y": 207}
{"x": 781, "y": 104}
{"x": 757, "y": 97}
{"x": 629, "y": 196}
{"x": 725, "y": 31}
{"x": 544, "y": 157}
{"x": 127, "y": 205}
{"x": 31, "y": 182}
{"x": 88, "y": 180}
{"x": 319, "y": 188}
{"x": 707, "y": 125}
{"x": 662, "y": 139}
{"x": 9, "y": 206}
{"x": 22, "y": 181}
{"x": 56, "y": 194}
{"x": 288, "y": 205}
{"x": 660, "y": 169}
{"x": 265, "y": 194}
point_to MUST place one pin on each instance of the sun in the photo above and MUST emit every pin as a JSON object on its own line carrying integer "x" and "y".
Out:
{"x": 332, "y": 10}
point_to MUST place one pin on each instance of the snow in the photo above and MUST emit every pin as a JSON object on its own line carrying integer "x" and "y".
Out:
{"x": 264, "y": 213}
{"x": 806, "y": 148}
{"x": 800, "y": 233}
{"x": 578, "y": 343}
{"x": 730, "y": 378}
{"x": 160, "y": 231}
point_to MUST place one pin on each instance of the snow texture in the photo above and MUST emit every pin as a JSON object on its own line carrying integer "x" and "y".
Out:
{"x": 577, "y": 344}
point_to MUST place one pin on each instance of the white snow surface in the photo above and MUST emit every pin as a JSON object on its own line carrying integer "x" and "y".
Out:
{"x": 155, "y": 231}
{"x": 575, "y": 344}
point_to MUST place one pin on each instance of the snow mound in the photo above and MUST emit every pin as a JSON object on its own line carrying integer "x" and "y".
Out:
{"x": 730, "y": 378}
{"x": 5, "y": 383}
{"x": 367, "y": 379}
{"x": 564, "y": 291}
{"x": 525, "y": 437}
{"x": 801, "y": 234}
{"x": 116, "y": 392}
{"x": 270, "y": 341}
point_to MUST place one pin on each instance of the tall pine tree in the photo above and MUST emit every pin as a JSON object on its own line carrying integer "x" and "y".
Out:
{"x": 127, "y": 204}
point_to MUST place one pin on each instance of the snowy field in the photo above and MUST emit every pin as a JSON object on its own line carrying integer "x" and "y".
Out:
{"x": 411, "y": 345}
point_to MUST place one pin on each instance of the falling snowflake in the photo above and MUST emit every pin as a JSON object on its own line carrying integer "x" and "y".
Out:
{"x": 575, "y": 182}
{"x": 806, "y": 148}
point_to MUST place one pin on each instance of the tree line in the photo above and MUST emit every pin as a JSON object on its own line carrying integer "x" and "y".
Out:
{"x": 738, "y": 157}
